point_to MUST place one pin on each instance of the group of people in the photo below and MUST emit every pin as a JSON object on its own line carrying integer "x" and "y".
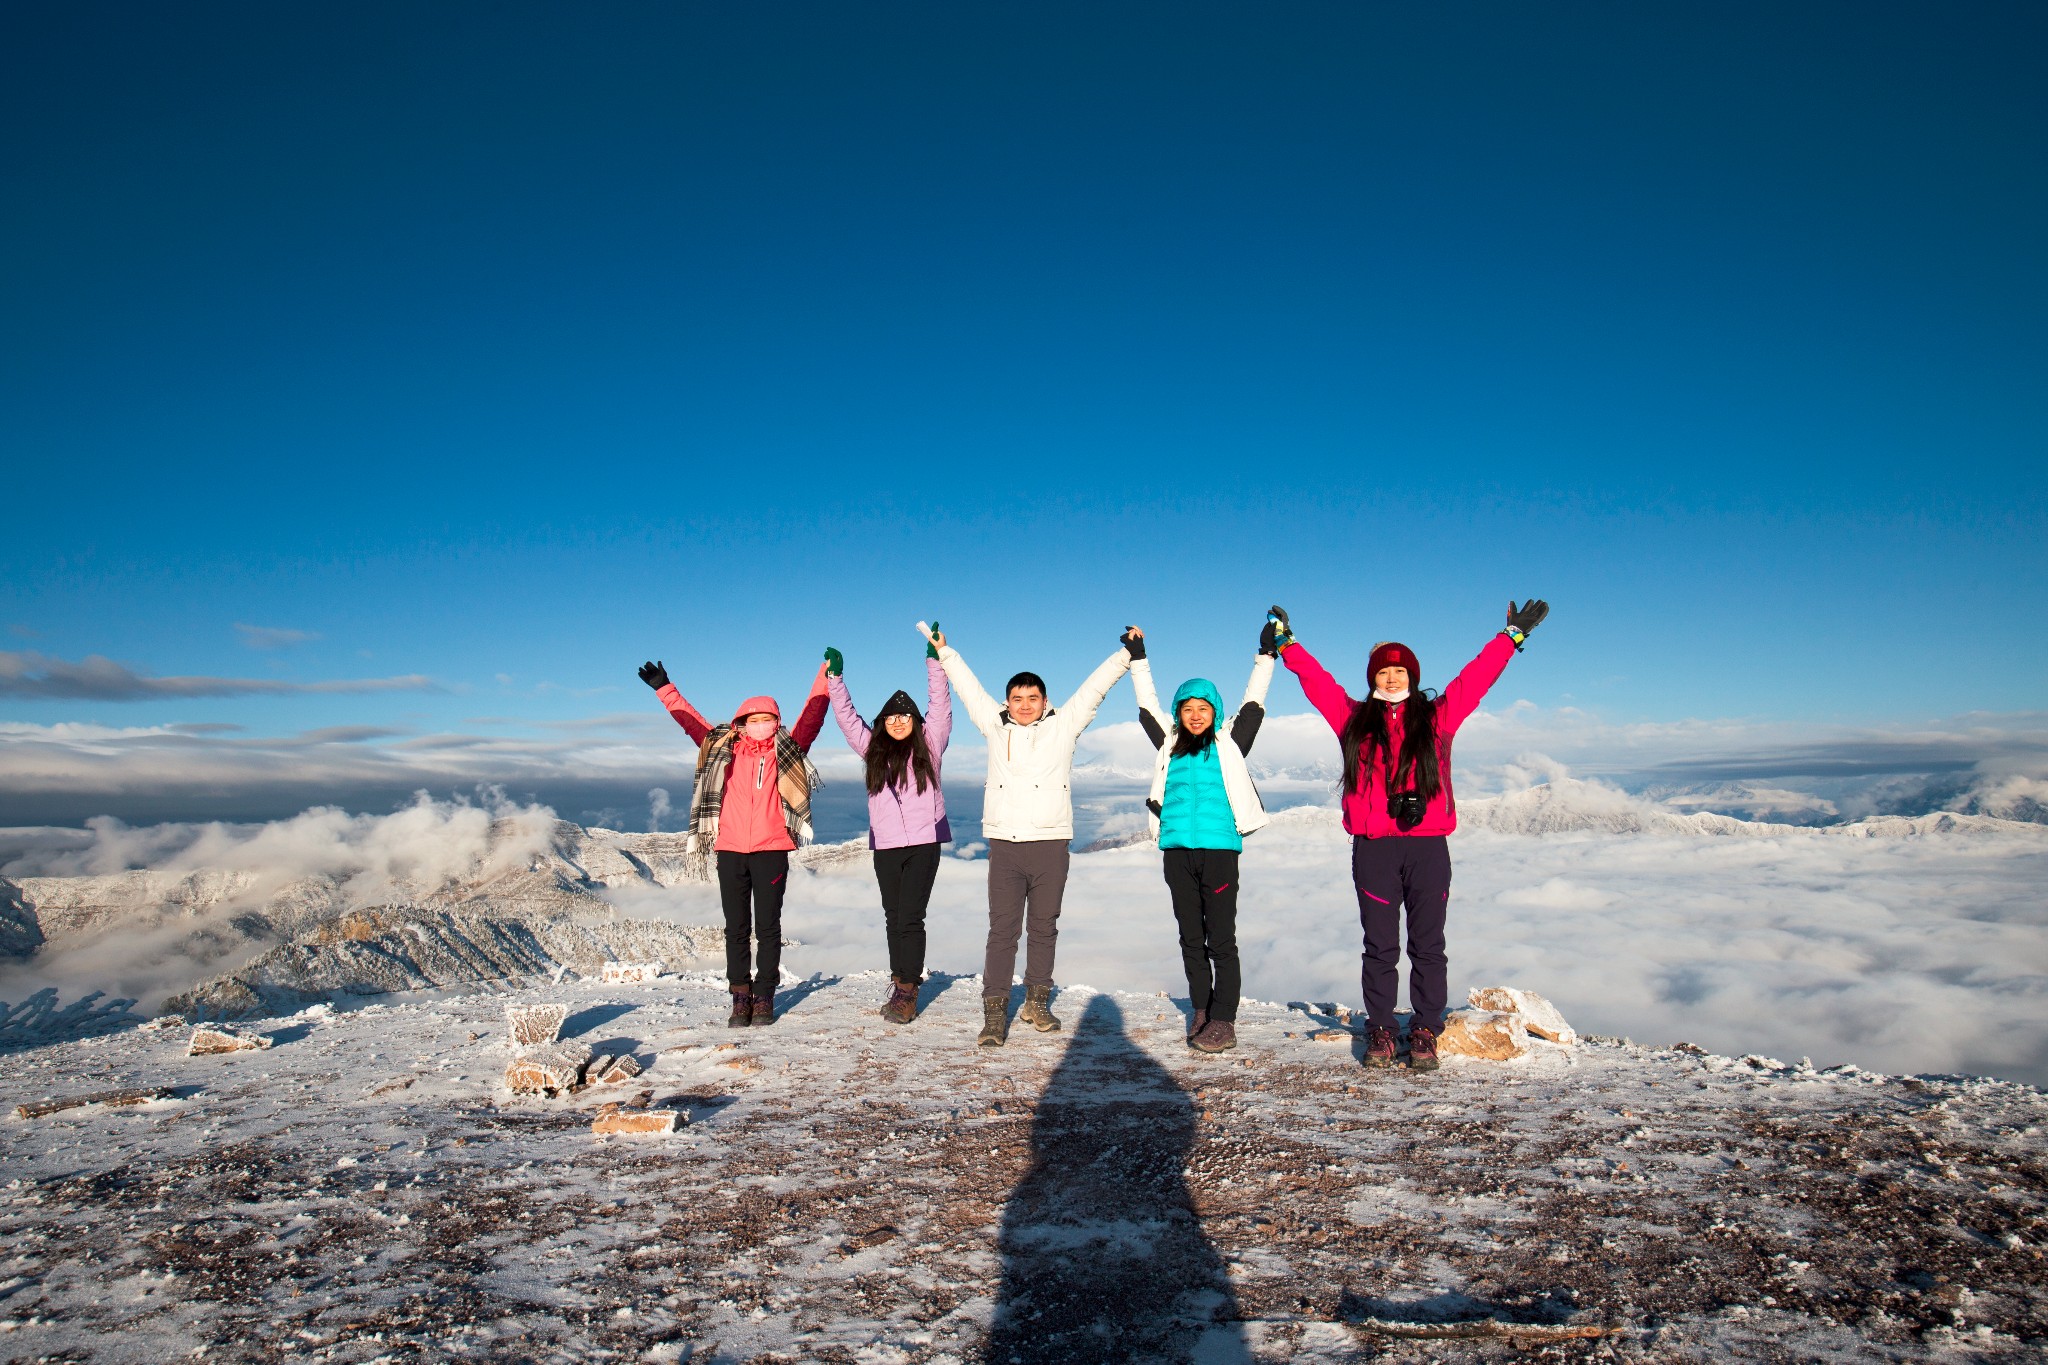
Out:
{"x": 751, "y": 800}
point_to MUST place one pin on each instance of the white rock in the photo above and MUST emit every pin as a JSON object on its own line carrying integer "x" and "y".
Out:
{"x": 548, "y": 1070}
{"x": 535, "y": 1025}
{"x": 1539, "y": 1016}
{"x": 630, "y": 973}
{"x": 206, "y": 1041}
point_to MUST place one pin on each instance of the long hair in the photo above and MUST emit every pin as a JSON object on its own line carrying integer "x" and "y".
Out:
{"x": 1418, "y": 767}
{"x": 892, "y": 762}
{"x": 1185, "y": 743}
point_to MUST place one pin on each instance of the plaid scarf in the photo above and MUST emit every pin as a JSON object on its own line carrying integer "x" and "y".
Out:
{"x": 795, "y": 779}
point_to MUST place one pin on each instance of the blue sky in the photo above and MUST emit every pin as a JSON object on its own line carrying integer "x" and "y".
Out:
{"x": 494, "y": 349}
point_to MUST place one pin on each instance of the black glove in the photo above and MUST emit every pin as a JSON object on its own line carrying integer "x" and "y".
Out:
{"x": 1133, "y": 642}
{"x": 654, "y": 675}
{"x": 1275, "y": 635}
{"x": 1529, "y": 615}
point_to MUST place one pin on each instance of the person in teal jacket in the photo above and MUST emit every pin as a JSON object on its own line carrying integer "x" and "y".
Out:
{"x": 1203, "y": 803}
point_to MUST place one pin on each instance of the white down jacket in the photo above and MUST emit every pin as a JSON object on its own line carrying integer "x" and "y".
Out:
{"x": 1245, "y": 806}
{"x": 1030, "y": 767}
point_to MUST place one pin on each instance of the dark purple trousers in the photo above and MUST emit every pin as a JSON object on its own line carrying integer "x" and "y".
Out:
{"x": 1415, "y": 871}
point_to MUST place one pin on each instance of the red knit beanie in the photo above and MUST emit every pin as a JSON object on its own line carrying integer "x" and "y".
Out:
{"x": 1393, "y": 654}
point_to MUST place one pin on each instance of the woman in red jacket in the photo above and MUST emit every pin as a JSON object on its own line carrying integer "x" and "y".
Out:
{"x": 1398, "y": 809}
{"x": 751, "y": 806}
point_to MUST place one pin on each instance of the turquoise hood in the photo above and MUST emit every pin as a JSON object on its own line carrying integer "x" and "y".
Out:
{"x": 1193, "y": 688}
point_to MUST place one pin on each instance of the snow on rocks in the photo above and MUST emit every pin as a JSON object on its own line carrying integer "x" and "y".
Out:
{"x": 1538, "y": 1015}
{"x": 610, "y": 1070}
{"x": 631, "y": 973}
{"x": 550, "y": 1069}
{"x": 210, "y": 1040}
{"x": 899, "y": 1194}
{"x": 534, "y": 1025}
{"x": 1484, "y": 1034}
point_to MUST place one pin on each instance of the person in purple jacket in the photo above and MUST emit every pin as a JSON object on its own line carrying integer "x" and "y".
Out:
{"x": 906, "y": 812}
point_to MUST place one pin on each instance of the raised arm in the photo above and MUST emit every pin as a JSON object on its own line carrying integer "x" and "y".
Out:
{"x": 982, "y": 709}
{"x": 1477, "y": 678}
{"x": 1252, "y": 710}
{"x": 1087, "y": 699}
{"x": 1324, "y": 692}
{"x": 656, "y": 676}
{"x": 850, "y": 723}
{"x": 1152, "y": 718}
{"x": 812, "y": 719}
{"x": 938, "y": 707}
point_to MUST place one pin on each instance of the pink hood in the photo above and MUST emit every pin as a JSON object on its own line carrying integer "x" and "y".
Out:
{"x": 753, "y": 706}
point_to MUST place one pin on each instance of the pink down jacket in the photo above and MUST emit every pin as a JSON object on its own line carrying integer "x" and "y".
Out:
{"x": 1365, "y": 809}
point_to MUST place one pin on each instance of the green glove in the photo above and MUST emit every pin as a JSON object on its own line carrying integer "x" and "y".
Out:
{"x": 835, "y": 662}
{"x": 931, "y": 651}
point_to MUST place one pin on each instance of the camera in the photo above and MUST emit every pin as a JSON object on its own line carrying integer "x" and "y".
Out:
{"x": 1406, "y": 809}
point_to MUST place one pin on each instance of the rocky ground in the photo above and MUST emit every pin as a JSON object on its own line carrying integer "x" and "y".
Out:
{"x": 848, "y": 1191}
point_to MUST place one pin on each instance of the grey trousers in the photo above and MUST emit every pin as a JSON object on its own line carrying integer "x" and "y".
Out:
{"x": 1025, "y": 883}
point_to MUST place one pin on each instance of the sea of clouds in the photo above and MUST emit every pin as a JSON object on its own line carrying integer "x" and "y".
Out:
{"x": 1907, "y": 953}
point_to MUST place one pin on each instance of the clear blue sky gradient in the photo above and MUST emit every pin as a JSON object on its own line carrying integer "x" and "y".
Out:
{"x": 533, "y": 341}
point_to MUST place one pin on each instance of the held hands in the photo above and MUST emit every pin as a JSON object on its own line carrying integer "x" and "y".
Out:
{"x": 835, "y": 662}
{"x": 1276, "y": 635}
{"x": 654, "y": 675}
{"x": 932, "y": 643}
{"x": 1525, "y": 618}
{"x": 1133, "y": 640}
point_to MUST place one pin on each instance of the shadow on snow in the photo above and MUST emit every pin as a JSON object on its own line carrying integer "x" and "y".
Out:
{"x": 1103, "y": 1255}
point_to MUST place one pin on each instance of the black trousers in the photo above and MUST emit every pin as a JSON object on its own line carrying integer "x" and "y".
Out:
{"x": 750, "y": 886}
{"x": 1203, "y": 883}
{"x": 1392, "y": 871}
{"x": 905, "y": 876}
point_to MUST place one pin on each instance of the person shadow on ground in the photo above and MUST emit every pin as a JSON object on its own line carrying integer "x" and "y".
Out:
{"x": 1103, "y": 1256}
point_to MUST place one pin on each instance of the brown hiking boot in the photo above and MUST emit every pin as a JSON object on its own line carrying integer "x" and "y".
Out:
{"x": 742, "y": 1008}
{"x": 995, "y": 1020}
{"x": 901, "y": 1006}
{"x": 1037, "y": 1010}
{"x": 1218, "y": 1035}
{"x": 764, "y": 1007}
{"x": 1379, "y": 1046}
{"x": 1201, "y": 1022}
{"x": 1421, "y": 1049}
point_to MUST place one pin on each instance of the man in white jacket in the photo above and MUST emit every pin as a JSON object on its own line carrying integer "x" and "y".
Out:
{"x": 1028, "y": 818}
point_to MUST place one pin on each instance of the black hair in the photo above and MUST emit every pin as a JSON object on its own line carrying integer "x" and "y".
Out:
{"x": 1186, "y": 743}
{"x": 1419, "y": 768}
{"x": 893, "y": 762}
{"x": 1025, "y": 680}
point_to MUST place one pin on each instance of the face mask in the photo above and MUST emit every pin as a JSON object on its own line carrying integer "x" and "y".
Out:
{"x": 1391, "y": 698}
{"x": 761, "y": 729}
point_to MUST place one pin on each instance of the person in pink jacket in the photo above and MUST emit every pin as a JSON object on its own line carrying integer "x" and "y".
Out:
{"x": 906, "y": 812}
{"x": 1398, "y": 809}
{"x": 751, "y": 807}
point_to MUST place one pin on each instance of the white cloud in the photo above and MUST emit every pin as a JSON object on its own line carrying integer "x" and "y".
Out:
{"x": 1910, "y": 952}
{"x": 33, "y": 675}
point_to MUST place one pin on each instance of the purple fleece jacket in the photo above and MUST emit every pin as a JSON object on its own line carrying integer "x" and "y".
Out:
{"x": 902, "y": 816}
